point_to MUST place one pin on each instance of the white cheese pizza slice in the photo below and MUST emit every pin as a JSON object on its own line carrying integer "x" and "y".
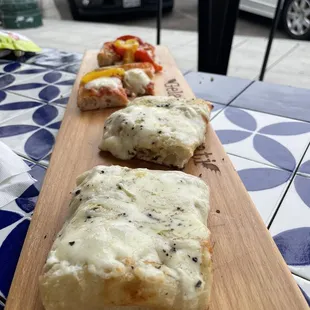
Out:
{"x": 135, "y": 239}
{"x": 164, "y": 130}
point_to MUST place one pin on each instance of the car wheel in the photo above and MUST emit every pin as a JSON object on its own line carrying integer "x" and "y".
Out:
{"x": 296, "y": 19}
{"x": 74, "y": 10}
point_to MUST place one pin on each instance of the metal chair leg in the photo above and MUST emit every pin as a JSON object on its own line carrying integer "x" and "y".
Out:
{"x": 216, "y": 27}
{"x": 274, "y": 26}
{"x": 159, "y": 17}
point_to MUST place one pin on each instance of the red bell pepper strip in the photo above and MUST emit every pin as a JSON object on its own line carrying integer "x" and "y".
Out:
{"x": 144, "y": 56}
{"x": 130, "y": 37}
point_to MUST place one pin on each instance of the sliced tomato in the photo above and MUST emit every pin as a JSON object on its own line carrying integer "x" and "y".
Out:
{"x": 129, "y": 37}
{"x": 142, "y": 55}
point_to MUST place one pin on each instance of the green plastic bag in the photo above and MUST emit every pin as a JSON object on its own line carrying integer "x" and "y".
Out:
{"x": 19, "y": 44}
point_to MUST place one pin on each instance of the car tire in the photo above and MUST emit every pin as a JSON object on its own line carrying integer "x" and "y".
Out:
{"x": 287, "y": 18}
{"x": 76, "y": 15}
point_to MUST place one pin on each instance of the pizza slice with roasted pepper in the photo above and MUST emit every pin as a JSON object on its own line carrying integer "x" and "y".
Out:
{"x": 111, "y": 86}
{"x": 127, "y": 49}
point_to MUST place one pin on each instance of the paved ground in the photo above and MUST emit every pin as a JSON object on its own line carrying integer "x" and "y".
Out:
{"x": 183, "y": 17}
{"x": 289, "y": 60}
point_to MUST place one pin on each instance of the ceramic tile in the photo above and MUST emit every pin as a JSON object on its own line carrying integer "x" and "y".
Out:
{"x": 16, "y": 72}
{"x": 304, "y": 285}
{"x": 291, "y": 227}
{"x": 264, "y": 138}
{"x": 33, "y": 133}
{"x": 13, "y": 229}
{"x": 72, "y": 68}
{"x": 217, "y": 108}
{"x": 217, "y": 88}
{"x": 266, "y": 185}
{"x": 304, "y": 168}
{"x": 276, "y": 99}
{"x": 62, "y": 100}
{"x": 45, "y": 87}
{"x": 46, "y": 160}
{"x": 53, "y": 58}
{"x": 12, "y": 105}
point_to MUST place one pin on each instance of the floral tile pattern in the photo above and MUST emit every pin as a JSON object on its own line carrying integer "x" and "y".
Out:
{"x": 276, "y": 99}
{"x": 265, "y": 149}
{"x": 12, "y": 105}
{"x": 266, "y": 185}
{"x": 217, "y": 108}
{"x": 53, "y": 58}
{"x": 291, "y": 227}
{"x": 304, "y": 285}
{"x": 44, "y": 87}
{"x": 261, "y": 137}
{"x": 16, "y": 72}
{"x": 33, "y": 133}
{"x": 305, "y": 164}
{"x": 15, "y": 219}
{"x": 217, "y": 88}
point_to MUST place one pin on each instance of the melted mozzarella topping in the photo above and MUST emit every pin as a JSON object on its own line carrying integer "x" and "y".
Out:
{"x": 108, "y": 82}
{"x": 162, "y": 124}
{"x": 149, "y": 222}
{"x": 137, "y": 81}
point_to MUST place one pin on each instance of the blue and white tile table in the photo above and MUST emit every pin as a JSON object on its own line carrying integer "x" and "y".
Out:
{"x": 264, "y": 128}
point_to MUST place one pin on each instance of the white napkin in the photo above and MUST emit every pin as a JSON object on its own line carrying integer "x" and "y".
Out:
{"x": 14, "y": 179}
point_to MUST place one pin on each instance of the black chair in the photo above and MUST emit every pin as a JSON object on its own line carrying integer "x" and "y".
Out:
{"x": 216, "y": 27}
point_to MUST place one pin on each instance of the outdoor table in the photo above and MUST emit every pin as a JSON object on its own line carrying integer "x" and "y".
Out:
{"x": 265, "y": 129}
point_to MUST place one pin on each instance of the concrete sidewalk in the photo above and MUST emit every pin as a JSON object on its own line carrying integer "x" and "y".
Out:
{"x": 289, "y": 61}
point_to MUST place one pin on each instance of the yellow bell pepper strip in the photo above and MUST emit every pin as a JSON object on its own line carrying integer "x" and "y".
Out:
{"x": 126, "y": 49}
{"x": 102, "y": 73}
{"x": 128, "y": 37}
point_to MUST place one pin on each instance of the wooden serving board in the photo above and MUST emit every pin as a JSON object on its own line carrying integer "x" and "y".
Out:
{"x": 249, "y": 272}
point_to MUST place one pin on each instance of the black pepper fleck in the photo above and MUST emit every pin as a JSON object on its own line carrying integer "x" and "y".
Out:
{"x": 153, "y": 142}
{"x": 130, "y": 221}
{"x": 195, "y": 259}
{"x": 132, "y": 267}
{"x": 45, "y": 237}
{"x": 200, "y": 175}
{"x": 77, "y": 192}
{"x": 119, "y": 187}
{"x": 159, "y": 131}
{"x": 101, "y": 171}
{"x": 218, "y": 211}
{"x": 167, "y": 254}
{"x": 198, "y": 284}
{"x": 132, "y": 128}
{"x": 80, "y": 199}
{"x": 173, "y": 249}
{"x": 179, "y": 224}
{"x": 164, "y": 251}
{"x": 88, "y": 216}
{"x": 71, "y": 243}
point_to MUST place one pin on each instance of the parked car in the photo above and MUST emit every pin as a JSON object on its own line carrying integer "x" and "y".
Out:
{"x": 295, "y": 14}
{"x": 97, "y": 8}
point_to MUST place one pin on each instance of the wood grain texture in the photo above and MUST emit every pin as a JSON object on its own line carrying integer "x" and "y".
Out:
{"x": 249, "y": 272}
